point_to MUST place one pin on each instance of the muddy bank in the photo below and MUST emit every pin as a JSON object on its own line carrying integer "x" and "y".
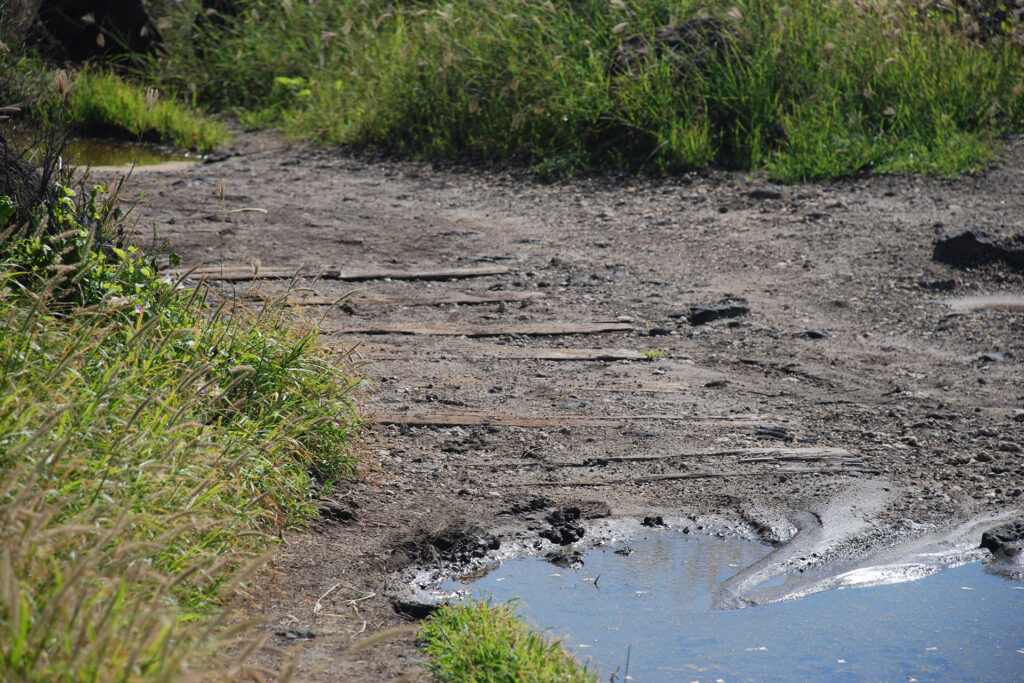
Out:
{"x": 693, "y": 348}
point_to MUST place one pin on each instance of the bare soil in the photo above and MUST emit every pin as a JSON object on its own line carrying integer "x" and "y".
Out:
{"x": 582, "y": 371}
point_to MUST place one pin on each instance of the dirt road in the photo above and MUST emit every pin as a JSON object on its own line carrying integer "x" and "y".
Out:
{"x": 698, "y": 347}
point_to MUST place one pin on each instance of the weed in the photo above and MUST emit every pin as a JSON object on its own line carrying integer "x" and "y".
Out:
{"x": 483, "y": 642}
{"x": 102, "y": 102}
{"x": 147, "y": 447}
{"x": 802, "y": 89}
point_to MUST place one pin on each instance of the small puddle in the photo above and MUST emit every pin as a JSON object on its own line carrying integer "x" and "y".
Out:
{"x": 104, "y": 152}
{"x": 654, "y": 607}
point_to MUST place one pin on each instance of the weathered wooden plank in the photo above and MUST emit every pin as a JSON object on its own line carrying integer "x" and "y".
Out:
{"x": 352, "y": 275}
{"x": 483, "y": 330}
{"x": 435, "y": 300}
{"x": 504, "y": 353}
{"x": 987, "y": 302}
{"x": 673, "y": 477}
{"x": 474, "y": 418}
{"x": 746, "y": 455}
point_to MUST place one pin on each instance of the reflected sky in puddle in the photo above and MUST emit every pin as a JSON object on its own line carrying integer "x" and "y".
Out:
{"x": 958, "y": 624}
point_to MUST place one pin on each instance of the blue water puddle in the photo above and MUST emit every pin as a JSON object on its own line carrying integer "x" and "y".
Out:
{"x": 654, "y": 606}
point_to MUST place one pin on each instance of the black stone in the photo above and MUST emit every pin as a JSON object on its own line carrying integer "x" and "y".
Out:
{"x": 653, "y": 521}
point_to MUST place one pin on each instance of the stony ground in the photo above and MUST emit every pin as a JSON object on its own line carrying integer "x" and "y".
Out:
{"x": 676, "y": 347}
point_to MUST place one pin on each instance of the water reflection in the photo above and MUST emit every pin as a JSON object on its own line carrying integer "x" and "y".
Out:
{"x": 95, "y": 152}
{"x": 959, "y": 623}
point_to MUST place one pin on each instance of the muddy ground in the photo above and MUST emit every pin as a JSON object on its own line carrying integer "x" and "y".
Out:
{"x": 704, "y": 347}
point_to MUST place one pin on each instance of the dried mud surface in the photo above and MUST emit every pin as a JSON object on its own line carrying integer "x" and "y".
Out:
{"x": 835, "y": 362}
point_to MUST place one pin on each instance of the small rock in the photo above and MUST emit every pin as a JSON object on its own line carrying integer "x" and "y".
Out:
{"x": 766, "y": 192}
{"x": 566, "y": 560}
{"x": 701, "y": 315}
{"x": 812, "y": 334}
{"x": 563, "y": 535}
{"x": 716, "y": 384}
{"x": 938, "y": 285}
{"x": 774, "y": 432}
{"x": 1009, "y": 447}
{"x": 1006, "y": 540}
{"x": 293, "y": 634}
{"x": 334, "y": 512}
{"x": 659, "y": 331}
{"x": 653, "y": 521}
{"x": 993, "y": 357}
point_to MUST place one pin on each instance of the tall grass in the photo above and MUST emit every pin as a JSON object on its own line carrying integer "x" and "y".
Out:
{"x": 102, "y": 102}
{"x": 97, "y": 102}
{"x": 803, "y": 89}
{"x": 148, "y": 449}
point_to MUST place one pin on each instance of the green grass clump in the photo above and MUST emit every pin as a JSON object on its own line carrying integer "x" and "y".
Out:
{"x": 147, "y": 448}
{"x": 102, "y": 102}
{"x": 802, "y": 89}
{"x": 95, "y": 102}
{"x": 484, "y": 642}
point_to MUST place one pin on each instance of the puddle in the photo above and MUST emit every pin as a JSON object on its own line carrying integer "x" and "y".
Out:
{"x": 94, "y": 153}
{"x": 656, "y": 605}
{"x": 102, "y": 152}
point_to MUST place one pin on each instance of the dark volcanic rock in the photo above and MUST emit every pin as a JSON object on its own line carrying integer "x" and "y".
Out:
{"x": 1006, "y": 541}
{"x": 972, "y": 246}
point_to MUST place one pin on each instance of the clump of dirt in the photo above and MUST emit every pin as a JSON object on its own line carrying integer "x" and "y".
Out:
{"x": 1006, "y": 541}
{"x": 455, "y": 545}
